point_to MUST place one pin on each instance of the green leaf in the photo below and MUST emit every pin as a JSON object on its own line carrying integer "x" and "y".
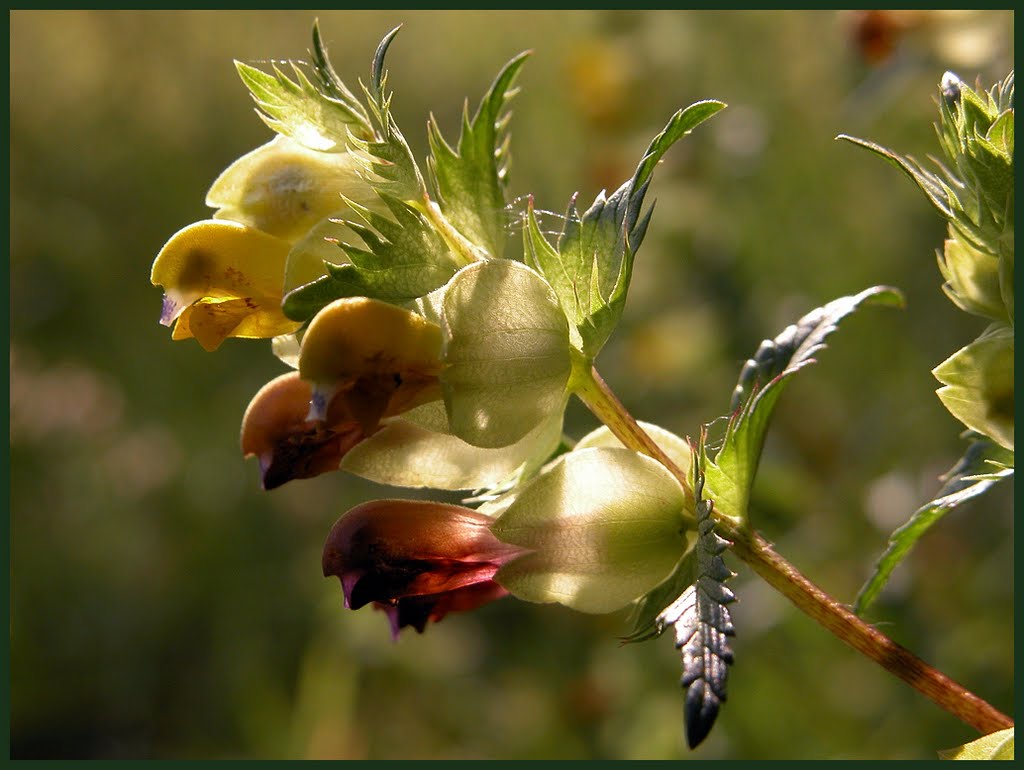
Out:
{"x": 404, "y": 259}
{"x": 471, "y": 180}
{"x": 390, "y": 160}
{"x": 937, "y": 190}
{"x": 590, "y": 266}
{"x": 603, "y": 525}
{"x": 332, "y": 86}
{"x": 979, "y": 384}
{"x": 506, "y": 353}
{"x": 731, "y": 474}
{"x": 981, "y": 467}
{"x": 998, "y": 745}
{"x": 975, "y": 191}
{"x": 1001, "y": 134}
{"x": 297, "y": 109}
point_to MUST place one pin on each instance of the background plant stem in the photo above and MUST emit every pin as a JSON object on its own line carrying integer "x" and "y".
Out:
{"x": 786, "y": 579}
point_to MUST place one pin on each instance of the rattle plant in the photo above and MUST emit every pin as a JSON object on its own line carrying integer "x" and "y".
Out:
{"x": 421, "y": 353}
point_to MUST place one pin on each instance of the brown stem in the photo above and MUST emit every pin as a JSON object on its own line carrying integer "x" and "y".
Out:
{"x": 600, "y": 400}
{"x": 786, "y": 579}
{"x": 866, "y": 639}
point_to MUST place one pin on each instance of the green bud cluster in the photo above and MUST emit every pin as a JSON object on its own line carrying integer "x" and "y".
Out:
{"x": 976, "y": 133}
{"x": 973, "y": 189}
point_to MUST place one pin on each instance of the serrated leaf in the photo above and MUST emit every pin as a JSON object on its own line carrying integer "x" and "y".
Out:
{"x": 591, "y": 264}
{"x": 936, "y": 189}
{"x": 305, "y": 301}
{"x": 974, "y": 189}
{"x": 998, "y": 745}
{"x": 391, "y": 160}
{"x": 703, "y": 625}
{"x": 332, "y": 86}
{"x": 761, "y": 382}
{"x": 297, "y": 109}
{"x": 471, "y": 180}
{"x": 1001, "y": 134}
{"x": 404, "y": 259}
{"x": 984, "y": 464}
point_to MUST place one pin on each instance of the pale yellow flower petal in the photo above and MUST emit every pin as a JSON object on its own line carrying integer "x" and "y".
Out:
{"x": 356, "y": 341}
{"x": 222, "y": 279}
{"x": 284, "y": 188}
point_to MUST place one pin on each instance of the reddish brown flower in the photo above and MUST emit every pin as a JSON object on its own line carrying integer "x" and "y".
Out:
{"x": 416, "y": 560}
{"x": 277, "y": 431}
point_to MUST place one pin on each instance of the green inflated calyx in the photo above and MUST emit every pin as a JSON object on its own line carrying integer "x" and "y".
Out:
{"x": 506, "y": 353}
{"x": 604, "y": 527}
{"x": 978, "y": 385}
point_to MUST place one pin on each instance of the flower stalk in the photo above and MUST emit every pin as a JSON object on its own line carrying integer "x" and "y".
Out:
{"x": 787, "y": 580}
{"x": 599, "y": 399}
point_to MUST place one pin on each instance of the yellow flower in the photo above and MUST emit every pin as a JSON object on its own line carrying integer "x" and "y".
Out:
{"x": 285, "y": 189}
{"x": 361, "y": 361}
{"x": 222, "y": 279}
{"x": 372, "y": 354}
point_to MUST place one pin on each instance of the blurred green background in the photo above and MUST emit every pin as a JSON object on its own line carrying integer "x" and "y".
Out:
{"x": 162, "y": 606}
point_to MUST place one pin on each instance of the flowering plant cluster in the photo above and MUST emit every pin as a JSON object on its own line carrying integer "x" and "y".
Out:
{"x": 422, "y": 350}
{"x": 973, "y": 191}
{"x": 425, "y": 357}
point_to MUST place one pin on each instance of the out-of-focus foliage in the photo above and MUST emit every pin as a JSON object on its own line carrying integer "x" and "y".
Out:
{"x": 162, "y": 605}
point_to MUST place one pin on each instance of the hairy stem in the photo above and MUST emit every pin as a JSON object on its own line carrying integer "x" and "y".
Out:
{"x": 786, "y": 579}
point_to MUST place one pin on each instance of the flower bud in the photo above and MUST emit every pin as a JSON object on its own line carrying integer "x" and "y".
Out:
{"x": 276, "y": 431}
{"x": 978, "y": 385}
{"x": 972, "y": 280}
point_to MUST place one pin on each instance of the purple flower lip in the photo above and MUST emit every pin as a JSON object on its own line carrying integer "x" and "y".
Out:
{"x": 170, "y": 309}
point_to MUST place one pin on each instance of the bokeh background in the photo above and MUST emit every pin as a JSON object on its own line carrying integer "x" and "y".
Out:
{"x": 162, "y": 606}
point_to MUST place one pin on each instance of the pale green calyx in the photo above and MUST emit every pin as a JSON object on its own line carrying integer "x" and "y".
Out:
{"x": 505, "y": 350}
{"x": 972, "y": 280}
{"x": 417, "y": 450}
{"x": 604, "y": 526}
{"x": 978, "y": 385}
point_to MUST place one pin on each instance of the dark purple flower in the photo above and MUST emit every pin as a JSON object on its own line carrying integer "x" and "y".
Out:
{"x": 416, "y": 560}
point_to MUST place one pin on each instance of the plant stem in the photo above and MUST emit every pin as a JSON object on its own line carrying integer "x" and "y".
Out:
{"x": 866, "y": 639}
{"x": 786, "y": 579}
{"x": 598, "y": 397}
